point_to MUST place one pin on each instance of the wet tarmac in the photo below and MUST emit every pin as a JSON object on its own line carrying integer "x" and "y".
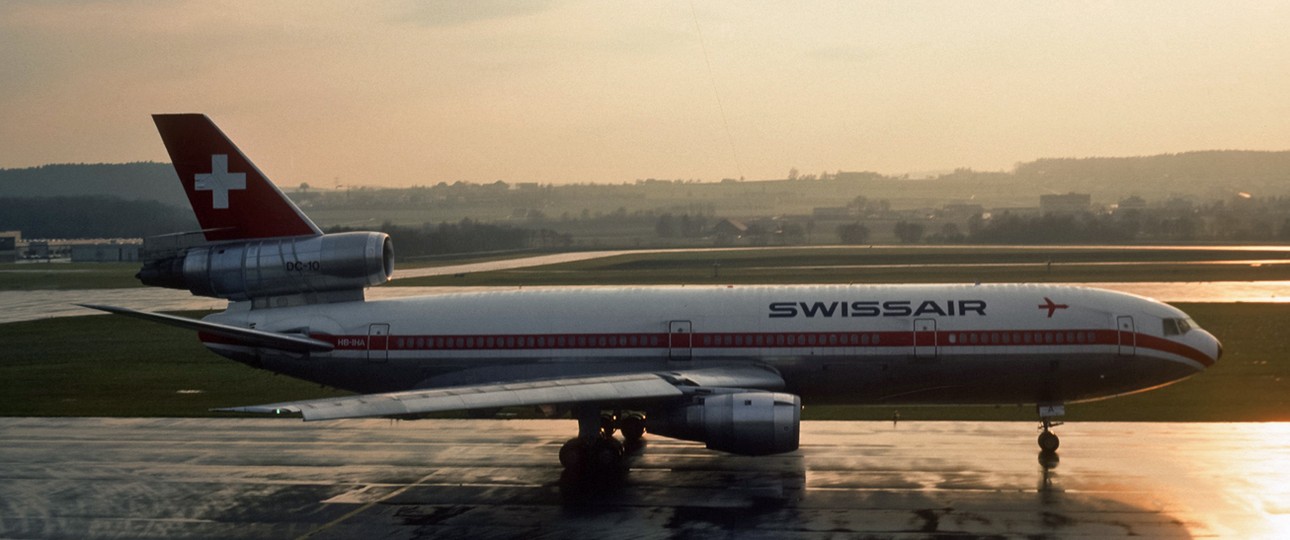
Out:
{"x": 274, "y": 478}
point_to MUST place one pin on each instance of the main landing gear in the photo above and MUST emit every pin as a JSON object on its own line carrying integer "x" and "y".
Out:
{"x": 1048, "y": 441}
{"x": 595, "y": 450}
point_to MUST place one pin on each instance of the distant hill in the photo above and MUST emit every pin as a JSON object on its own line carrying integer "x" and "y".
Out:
{"x": 1213, "y": 172}
{"x": 92, "y": 216}
{"x": 1205, "y": 175}
{"x": 130, "y": 181}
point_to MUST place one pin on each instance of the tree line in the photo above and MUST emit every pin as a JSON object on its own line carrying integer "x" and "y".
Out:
{"x": 465, "y": 236}
{"x": 91, "y": 217}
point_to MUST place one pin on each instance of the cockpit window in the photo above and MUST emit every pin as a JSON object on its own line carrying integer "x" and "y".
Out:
{"x": 1178, "y": 327}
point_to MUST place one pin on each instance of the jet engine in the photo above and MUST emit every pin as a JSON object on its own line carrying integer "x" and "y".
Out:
{"x": 750, "y": 423}
{"x": 277, "y": 266}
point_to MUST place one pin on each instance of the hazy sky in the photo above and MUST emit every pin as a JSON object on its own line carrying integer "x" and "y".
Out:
{"x": 401, "y": 93}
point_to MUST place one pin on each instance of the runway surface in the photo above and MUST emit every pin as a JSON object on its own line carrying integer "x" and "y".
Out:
{"x": 275, "y": 478}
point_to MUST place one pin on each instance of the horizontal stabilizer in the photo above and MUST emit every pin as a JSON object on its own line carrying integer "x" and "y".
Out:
{"x": 246, "y": 336}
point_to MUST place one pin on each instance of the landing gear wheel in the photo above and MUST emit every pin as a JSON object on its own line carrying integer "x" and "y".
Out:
{"x": 1048, "y": 441}
{"x": 632, "y": 427}
{"x": 605, "y": 454}
{"x": 573, "y": 455}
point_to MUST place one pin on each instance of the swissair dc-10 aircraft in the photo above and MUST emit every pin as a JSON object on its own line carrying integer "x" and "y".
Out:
{"x": 726, "y": 366}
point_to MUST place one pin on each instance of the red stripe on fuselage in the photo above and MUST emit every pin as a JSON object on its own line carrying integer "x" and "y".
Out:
{"x": 945, "y": 340}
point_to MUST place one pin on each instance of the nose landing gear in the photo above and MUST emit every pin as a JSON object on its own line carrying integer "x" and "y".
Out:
{"x": 1048, "y": 441}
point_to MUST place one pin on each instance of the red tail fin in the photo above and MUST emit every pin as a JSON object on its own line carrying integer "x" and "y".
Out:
{"x": 231, "y": 197}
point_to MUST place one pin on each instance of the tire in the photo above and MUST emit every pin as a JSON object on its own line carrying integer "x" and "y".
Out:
{"x": 573, "y": 455}
{"x": 1048, "y": 442}
{"x": 632, "y": 428}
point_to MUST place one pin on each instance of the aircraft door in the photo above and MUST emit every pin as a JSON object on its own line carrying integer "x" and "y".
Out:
{"x": 679, "y": 340}
{"x": 378, "y": 342}
{"x": 925, "y": 338}
{"x": 1127, "y": 336}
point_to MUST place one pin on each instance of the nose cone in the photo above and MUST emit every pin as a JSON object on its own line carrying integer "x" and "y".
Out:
{"x": 1211, "y": 347}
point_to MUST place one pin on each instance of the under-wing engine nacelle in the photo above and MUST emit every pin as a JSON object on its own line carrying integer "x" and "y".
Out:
{"x": 748, "y": 423}
{"x": 278, "y": 266}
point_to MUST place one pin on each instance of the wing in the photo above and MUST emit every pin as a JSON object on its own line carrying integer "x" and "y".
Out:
{"x": 595, "y": 389}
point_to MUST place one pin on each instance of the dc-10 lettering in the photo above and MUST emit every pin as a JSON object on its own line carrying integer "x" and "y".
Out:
{"x": 301, "y": 266}
{"x": 874, "y": 308}
{"x": 710, "y": 372}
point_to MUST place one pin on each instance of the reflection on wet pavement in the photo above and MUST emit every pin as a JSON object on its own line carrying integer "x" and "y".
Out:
{"x": 174, "y": 478}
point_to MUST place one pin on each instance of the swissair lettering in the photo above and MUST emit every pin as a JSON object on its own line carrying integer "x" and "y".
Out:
{"x": 873, "y": 308}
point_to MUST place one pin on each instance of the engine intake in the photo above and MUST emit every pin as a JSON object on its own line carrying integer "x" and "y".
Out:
{"x": 275, "y": 267}
{"x": 747, "y": 423}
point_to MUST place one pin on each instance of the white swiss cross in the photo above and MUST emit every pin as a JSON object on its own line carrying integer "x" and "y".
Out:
{"x": 219, "y": 182}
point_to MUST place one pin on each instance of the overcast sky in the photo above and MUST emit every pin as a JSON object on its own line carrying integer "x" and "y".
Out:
{"x": 403, "y": 93}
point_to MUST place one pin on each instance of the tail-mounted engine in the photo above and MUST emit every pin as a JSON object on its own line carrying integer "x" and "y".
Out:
{"x": 748, "y": 423}
{"x": 276, "y": 267}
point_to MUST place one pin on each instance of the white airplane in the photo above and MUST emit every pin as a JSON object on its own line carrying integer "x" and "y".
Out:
{"x": 727, "y": 366}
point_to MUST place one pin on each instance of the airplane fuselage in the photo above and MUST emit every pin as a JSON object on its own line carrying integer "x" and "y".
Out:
{"x": 871, "y": 344}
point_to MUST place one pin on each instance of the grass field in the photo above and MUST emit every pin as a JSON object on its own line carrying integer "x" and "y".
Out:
{"x": 64, "y": 276}
{"x": 78, "y": 276}
{"x": 985, "y": 264}
{"x": 113, "y": 366}
{"x": 882, "y": 264}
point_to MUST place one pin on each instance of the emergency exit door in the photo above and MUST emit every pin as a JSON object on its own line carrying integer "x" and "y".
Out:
{"x": 925, "y": 338}
{"x": 1127, "y": 336}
